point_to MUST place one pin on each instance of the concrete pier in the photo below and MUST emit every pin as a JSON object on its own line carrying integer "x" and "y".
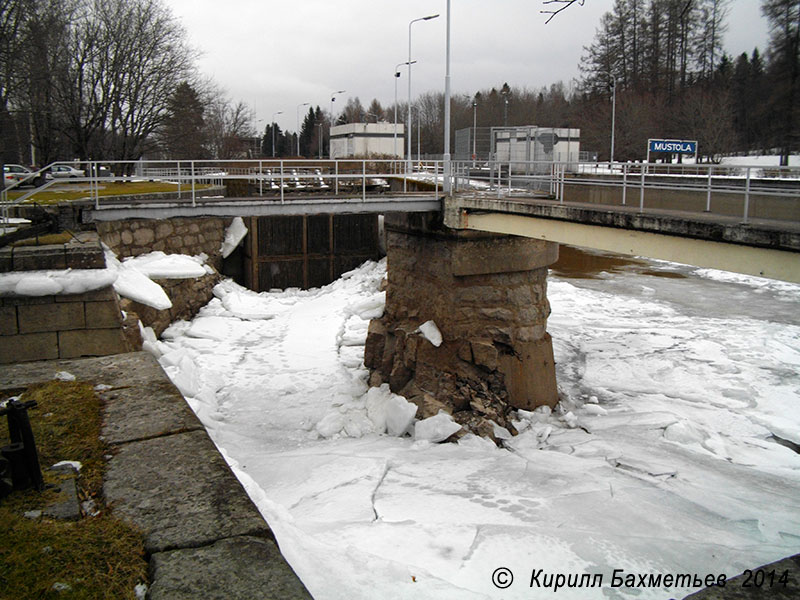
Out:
{"x": 487, "y": 294}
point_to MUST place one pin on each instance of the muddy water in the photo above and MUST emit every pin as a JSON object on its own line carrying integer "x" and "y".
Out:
{"x": 577, "y": 263}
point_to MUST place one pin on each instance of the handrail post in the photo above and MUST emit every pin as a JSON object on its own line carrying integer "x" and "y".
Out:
{"x": 180, "y": 180}
{"x": 282, "y": 182}
{"x": 708, "y": 189}
{"x": 747, "y": 197}
{"x": 336, "y": 178}
{"x": 641, "y": 191}
{"x": 624, "y": 182}
{"x": 260, "y": 178}
{"x": 363, "y": 180}
{"x": 194, "y": 198}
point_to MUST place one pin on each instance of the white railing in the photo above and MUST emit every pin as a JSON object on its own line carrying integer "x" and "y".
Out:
{"x": 711, "y": 183}
{"x": 285, "y": 180}
{"x": 271, "y": 179}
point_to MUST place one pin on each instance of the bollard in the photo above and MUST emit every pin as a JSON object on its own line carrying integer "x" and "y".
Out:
{"x": 21, "y": 454}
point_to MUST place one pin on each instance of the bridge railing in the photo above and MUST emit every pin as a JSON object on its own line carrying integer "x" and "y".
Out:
{"x": 728, "y": 189}
{"x": 281, "y": 179}
{"x": 284, "y": 180}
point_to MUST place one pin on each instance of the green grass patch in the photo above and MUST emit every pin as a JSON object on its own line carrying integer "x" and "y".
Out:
{"x": 96, "y": 556}
{"x": 78, "y": 191}
{"x": 46, "y": 240}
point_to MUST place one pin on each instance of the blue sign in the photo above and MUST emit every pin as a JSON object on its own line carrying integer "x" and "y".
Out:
{"x": 672, "y": 146}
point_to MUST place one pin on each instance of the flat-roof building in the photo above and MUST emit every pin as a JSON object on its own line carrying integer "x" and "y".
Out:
{"x": 367, "y": 139}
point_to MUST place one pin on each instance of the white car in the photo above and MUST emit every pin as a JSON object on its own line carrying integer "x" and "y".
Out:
{"x": 13, "y": 173}
{"x": 65, "y": 172}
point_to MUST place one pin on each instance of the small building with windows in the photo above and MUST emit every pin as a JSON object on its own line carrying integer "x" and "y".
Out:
{"x": 367, "y": 139}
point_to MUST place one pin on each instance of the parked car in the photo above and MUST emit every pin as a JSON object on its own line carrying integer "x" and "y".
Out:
{"x": 65, "y": 172}
{"x": 13, "y": 172}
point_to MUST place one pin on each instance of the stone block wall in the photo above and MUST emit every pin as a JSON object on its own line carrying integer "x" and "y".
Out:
{"x": 63, "y": 326}
{"x": 188, "y": 296}
{"x": 487, "y": 295}
{"x": 191, "y": 236}
{"x": 81, "y": 252}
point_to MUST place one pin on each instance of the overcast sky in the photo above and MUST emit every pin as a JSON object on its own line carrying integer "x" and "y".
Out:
{"x": 275, "y": 55}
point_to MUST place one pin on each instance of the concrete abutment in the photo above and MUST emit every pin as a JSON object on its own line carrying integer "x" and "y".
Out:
{"x": 487, "y": 295}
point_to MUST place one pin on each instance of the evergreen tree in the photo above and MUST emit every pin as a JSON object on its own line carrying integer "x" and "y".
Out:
{"x": 784, "y": 73}
{"x": 183, "y": 134}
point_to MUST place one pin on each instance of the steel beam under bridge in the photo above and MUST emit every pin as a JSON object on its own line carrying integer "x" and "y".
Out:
{"x": 765, "y": 251}
{"x": 257, "y": 207}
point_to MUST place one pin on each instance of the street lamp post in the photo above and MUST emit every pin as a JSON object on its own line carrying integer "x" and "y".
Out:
{"x": 474, "y": 129}
{"x": 330, "y": 126}
{"x": 408, "y": 133}
{"x": 446, "y": 156}
{"x": 333, "y": 97}
{"x": 613, "y": 118}
{"x": 396, "y": 77}
{"x": 280, "y": 112}
{"x": 298, "y": 125}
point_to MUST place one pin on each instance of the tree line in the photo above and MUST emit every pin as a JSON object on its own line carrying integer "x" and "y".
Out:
{"x": 116, "y": 80}
{"x": 108, "y": 80}
{"x": 672, "y": 79}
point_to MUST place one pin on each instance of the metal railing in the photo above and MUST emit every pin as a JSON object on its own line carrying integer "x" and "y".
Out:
{"x": 284, "y": 180}
{"x": 290, "y": 179}
{"x": 703, "y": 188}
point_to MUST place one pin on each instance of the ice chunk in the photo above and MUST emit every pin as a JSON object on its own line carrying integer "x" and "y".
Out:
{"x": 595, "y": 409}
{"x": 389, "y": 412}
{"x": 399, "y": 415}
{"x": 234, "y": 234}
{"x": 570, "y": 419}
{"x": 431, "y": 333}
{"x": 137, "y": 286}
{"x": 70, "y": 465}
{"x": 436, "y": 429}
{"x": 371, "y": 308}
{"x": 64, "y": 376}
{"x": 247, "y": 307}
{"x": 501, "y": 433}
{"x": 159, "y": 265}
{"x": 186, "y": 379}
{"x": 330, "y": 424}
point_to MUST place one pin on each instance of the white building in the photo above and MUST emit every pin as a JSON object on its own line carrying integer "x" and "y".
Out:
{"x": 367, "y": 139}
{"x": 534, "y": 144}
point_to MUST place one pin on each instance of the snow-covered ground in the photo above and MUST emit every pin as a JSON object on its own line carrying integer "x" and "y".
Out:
{"x": 662, "y": 459}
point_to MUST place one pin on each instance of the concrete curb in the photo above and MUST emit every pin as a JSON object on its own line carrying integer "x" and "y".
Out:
{"x": 204, "y": 536}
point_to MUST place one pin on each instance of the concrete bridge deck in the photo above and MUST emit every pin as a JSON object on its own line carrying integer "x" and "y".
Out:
{"x": 761, "y": 247}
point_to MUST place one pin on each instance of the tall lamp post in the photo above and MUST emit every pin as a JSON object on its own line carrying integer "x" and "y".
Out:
{"x": 613, "y": 117}
{"x": 408, "y": 132}
{"x": 474, "y": 129}
{"x": 333, "y": 97}
{"x": 298, "y": 125}
{"x": 396, "y": 77}
{"x": 446, "y": 156}
{"x": 280, "y": 112}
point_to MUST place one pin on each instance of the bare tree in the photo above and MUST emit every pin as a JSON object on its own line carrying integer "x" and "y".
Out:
{"x": 228, "y": 127}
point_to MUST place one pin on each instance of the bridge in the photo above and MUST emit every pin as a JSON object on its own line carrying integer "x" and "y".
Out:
{"x": 473, "y": 261}
{"x": 739, "y": 218}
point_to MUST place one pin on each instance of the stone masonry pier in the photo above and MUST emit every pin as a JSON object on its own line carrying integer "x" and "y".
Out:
{"x": 487, "y": 294}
